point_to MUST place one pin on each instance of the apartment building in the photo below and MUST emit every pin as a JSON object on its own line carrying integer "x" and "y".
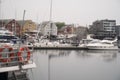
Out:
{"x": 103, "y": 29}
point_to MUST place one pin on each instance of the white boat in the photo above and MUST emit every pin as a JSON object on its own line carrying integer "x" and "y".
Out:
{"x": 6, "y": 37}
{"x": 84, "y": 42}
{"x": 102, "y": 45}
{"x": 48, "y": 44}
{"x": 6, "y": 34}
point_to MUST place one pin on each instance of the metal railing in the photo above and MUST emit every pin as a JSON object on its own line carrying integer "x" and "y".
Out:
{"x": 12, "y": 58}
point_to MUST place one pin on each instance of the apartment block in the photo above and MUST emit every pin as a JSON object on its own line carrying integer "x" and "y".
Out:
{"x": 103, "y": 29}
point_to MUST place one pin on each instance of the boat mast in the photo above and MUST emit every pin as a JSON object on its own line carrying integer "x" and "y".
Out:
{"x": 21, "y": 32}
{"x": 51, "y": 10}
{"x": 15, "y": 22}
{"x": 50, "y": 20}
{"x": 0, "y": 13}
{"x": 0, "y": 8}
{"x": 1, "y": 23}
{"x": 22, "y": 24}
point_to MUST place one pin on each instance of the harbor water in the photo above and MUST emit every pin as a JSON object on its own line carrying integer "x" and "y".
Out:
{"x": 76, "y": 65}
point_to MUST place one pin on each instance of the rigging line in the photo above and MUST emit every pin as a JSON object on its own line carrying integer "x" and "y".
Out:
{"x": 39, "y": 28}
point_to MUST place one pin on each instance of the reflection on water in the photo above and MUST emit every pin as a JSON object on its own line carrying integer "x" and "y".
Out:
{"x": 106, "y": 55}
{"x": 76, "y": 65}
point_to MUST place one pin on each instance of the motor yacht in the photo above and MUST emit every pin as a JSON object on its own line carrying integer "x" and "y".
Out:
{"x": 103, "y": 45}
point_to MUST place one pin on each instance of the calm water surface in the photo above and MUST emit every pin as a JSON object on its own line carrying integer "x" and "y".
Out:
{"x": 76, "y": 65}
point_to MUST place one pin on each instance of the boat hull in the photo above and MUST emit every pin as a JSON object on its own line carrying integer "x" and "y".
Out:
{"x": 103, "y": 47}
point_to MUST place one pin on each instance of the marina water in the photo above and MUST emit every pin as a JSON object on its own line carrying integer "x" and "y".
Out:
{"x": 76, "y": 65}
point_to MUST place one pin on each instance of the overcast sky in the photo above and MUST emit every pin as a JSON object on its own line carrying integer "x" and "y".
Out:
{"x": 82, "y": 12}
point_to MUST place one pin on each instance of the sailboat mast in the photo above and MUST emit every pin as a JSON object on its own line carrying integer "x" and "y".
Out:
{"x": 0, "y": 13}
{"x": 1, "y": 24}
{"x": 0, "y": 9}
{"x": 50, "y": 19}
{"x": 21, "y": 28}
{"x": 23, "y": 20}
{"x": 51, "y": 10}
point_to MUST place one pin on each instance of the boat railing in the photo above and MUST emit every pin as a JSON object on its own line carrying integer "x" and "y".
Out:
{"x": 15, "y": 58}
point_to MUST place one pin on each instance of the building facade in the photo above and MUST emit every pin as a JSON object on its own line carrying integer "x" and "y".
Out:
{"x": 48, "y": 28}
{"x": 103, "y": 29}
{"x": 81, "y": 32}
{"x": 68, "y": 29}
{"x": 27, "y": 26}
{"x": 18, "y": 27}
{"x": 118, "y": 35}
{"x": 11, "y": 25}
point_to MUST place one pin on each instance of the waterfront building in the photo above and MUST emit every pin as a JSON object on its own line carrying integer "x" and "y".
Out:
{"x": 48, "y": 28}
{"x": 68, "y": 29}
{"x": 11, "y": 25}
{"x": 118, "y": 35}
{"x": 18, "y": 27}
{"x": 103, "y": 29}
{"x": 81, "y": 32}
{"x": 27, "y": 26}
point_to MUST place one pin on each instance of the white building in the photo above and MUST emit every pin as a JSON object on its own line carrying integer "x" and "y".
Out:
{"x": 48, "y": 28}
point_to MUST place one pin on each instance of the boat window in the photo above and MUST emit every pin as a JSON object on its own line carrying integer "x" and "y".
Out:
{"x": 94, "y": 41}
{"x": 115, "y": 43}
{"x": 106, "y": 43}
